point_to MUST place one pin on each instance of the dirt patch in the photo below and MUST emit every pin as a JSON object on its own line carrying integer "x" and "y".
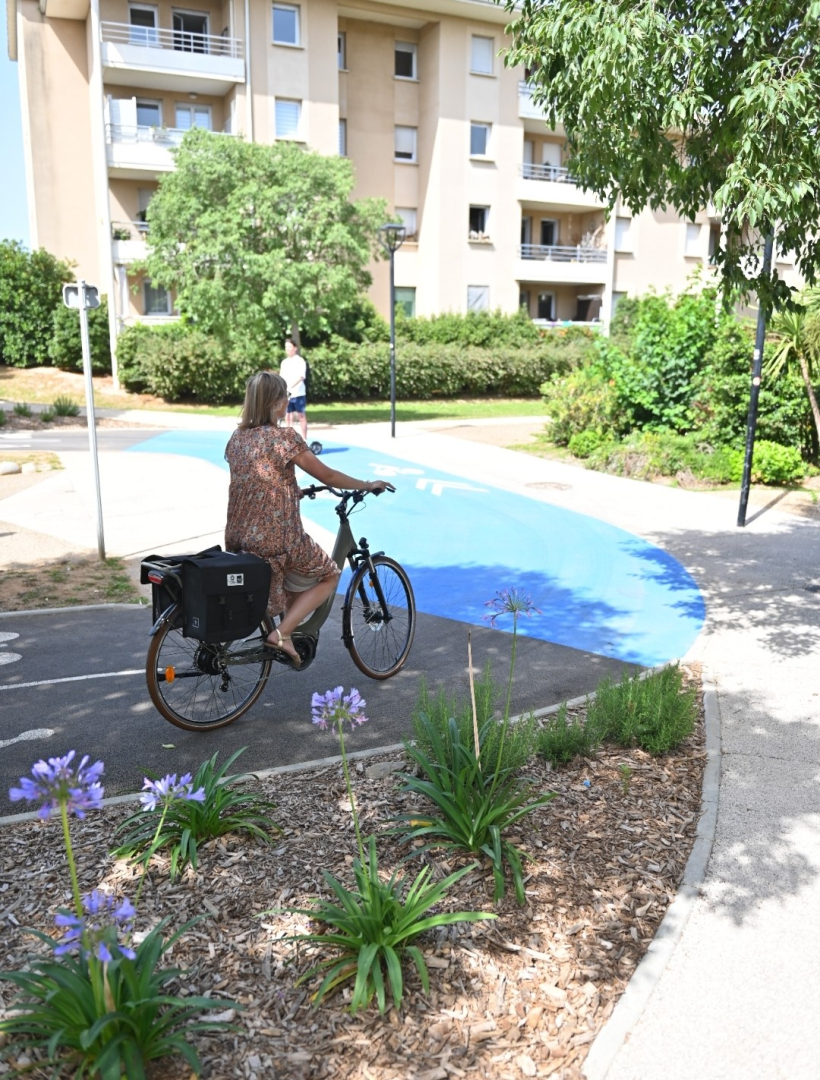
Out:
{"x": 523, "y": 433}
{"x": 42, "y": 385}
{"x": 65, "y": 582}
{"x": 14, "y": 422}
{"x": 522, "y": 996}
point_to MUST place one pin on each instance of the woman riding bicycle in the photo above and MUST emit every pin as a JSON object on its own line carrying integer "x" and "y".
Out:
{"x": 263, "y": 506}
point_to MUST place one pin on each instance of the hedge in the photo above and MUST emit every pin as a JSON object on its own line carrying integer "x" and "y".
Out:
{"x": 65, "y": 349}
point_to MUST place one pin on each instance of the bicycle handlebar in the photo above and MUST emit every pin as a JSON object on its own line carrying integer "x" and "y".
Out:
{"x": 357, "y": 496}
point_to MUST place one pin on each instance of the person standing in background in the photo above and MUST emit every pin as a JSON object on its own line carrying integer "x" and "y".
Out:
{"x": 294, "y": 372}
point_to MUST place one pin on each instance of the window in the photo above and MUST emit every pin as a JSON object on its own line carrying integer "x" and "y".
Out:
{"x": 408, "y": 220}
{"x": 405, "y": 146}
{"x": 341, "y": 50}
{"x": 157, "y": 300}
{"x": 406, "y": 300}
{"x": 405, "y": 60}
{"x": 481, "y": 55}
{"x": 191, "y": 116}
{"x": 479, "y": 139}
{"x": 144, "y": 196}
{"x": 285, "y": 24}
{"x": 288, "y": 118}
{"x": 143, "y": 22}
{"x": 478, "y": 297}
{"x": 546, "y": 306}
{"x": 343, "y": 138}
{"x": 479, "y": 222}
{"x": 190, "y": 31}
{"x": 149, "y": 113}
{"x": 549, "y": 232}
{"x": 623, "y": 234}
{"x": 692, "y": 241}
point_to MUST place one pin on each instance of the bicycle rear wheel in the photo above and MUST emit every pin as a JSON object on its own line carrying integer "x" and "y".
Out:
{"x": 379, "y": 634}
{"x": 197, "y": 686}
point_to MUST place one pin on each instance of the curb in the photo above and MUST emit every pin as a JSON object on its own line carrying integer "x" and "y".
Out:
{"x": 647, "y": 975}
{"x": 71, "y": 607}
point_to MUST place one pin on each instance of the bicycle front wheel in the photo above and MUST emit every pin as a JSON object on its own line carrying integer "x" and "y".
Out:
{"x": 197, "y": 686}
{"x": 379, "y": 618}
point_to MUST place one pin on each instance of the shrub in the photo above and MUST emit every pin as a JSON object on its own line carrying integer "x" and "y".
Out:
{"x": 775, "y": 464}
{"x": 65, "y": 406}
{"x": 481, "y": 329}
{"x": 653, "y": 712}
{"x": 2, "y": 417}
{"x": 47, "y": 415}
{"x": 647, "y": 455}
{"x": 178, "y": 362}
{"x": 65, "y": 349}
{"x": 583, "y": 443}
{"x": 22, "y": 409}
{"x": 30, "y": 292}
{"x": 561, "y": 739}
{"x": 582, "y": 401}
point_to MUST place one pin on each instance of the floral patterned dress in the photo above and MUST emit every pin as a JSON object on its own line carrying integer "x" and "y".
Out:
{"x": 263, "y": 507}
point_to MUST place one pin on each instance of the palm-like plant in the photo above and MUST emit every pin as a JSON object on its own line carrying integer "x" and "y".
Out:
{"x": 793, "y": 346}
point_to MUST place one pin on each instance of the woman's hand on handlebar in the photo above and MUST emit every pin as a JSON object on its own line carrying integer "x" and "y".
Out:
{"x": 378, "y": 486}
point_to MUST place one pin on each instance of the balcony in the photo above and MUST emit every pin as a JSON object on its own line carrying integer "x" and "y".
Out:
{"x": 527, "y": 109}
{"x": 562, "y": 265}
{"x": 151, "y": 58}
{"x": 128, "y": 240}
{"x": 132, "y": 151}
{"x": 553, "y": 186}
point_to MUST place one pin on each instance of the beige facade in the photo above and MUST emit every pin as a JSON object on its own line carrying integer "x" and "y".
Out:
{"x": 415, "y": 94}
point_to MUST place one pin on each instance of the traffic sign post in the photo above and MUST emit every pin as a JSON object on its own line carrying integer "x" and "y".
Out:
{"x": 83, "y": 297}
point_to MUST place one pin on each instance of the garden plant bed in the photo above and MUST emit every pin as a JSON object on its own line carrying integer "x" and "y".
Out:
{"x": 523, "y": 995}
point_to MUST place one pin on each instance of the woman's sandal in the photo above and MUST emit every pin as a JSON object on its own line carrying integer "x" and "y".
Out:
{"x": 295, "y": 658}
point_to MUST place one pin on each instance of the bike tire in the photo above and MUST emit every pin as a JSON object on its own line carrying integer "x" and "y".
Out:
{"x": 379, "y": 646}
{"x": 194, "y": 699}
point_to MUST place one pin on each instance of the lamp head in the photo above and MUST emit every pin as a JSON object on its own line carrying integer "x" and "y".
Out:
{"x": 391, "y": 236}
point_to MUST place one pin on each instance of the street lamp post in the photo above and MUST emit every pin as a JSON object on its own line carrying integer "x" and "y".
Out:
{"x": 391, "y": 238}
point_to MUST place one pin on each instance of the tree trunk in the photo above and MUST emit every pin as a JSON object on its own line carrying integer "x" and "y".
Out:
{"x": 815, "y": 410}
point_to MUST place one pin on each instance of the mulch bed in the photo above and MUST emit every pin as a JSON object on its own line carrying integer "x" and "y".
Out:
{"x": 33, "y": 423}
{"x": 524, "y": 995}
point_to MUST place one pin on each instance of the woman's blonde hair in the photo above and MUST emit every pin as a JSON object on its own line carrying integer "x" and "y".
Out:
{"x": 264, "y": 393}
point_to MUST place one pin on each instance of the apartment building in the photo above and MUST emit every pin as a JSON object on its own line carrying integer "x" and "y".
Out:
{"x": 414, "y": 93}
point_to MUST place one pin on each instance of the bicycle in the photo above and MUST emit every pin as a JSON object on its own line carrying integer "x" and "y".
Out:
{"x": 199, "y": 686}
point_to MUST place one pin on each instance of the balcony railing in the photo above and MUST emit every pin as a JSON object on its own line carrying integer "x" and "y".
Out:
{"x": 555, "y": 173}
{"x": 129, "y": 230}
{"x": 141, "y": 133}
{"x": 178, "y": 40}
{"x": 553, "y": 253}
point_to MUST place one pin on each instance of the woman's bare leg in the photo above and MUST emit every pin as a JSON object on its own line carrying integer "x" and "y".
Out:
{"x": 303, "y": 604}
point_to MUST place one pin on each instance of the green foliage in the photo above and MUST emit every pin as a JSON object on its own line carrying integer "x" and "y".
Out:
{"x": 65, "y": 349}
{"x": 47, "y": 415}
{"x": 227, "y": 808}
{"x": 482, "y": 329}
{"x": 436, "y": 711}
{"x": 22, "y": 409}
{"x": 252, "y": 237}
{"x": 683, "y": 105}
{"x": 30, "y": 292}
{"x": 580, "y": 402}
{"x": 65, "y": 406}
{"x": 775, "y": 464}
{"x": 649, "y": 455}
{"x": 374, "y": 928}
{"x": 474, "y": 807}
{"x": 584, "y": 443}
{"x": 2, "y": 417}
{"x": 112, "y": 1034}
{"x": 561, "y": 739}
{"x": 655, "y": 712}
{"x": 179, "y": 361}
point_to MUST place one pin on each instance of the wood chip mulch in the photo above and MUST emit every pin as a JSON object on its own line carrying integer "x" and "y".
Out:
{"x": 524, "y": 995}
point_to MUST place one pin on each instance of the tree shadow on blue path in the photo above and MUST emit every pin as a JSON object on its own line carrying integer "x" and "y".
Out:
{"x": 667, "y": 572}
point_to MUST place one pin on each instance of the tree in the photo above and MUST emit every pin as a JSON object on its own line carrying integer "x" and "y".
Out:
{"x": 254, "y": 238}
{"x": 687, "y": 103}
{"x": 30, "y": 292}
{"x": 65, "y": 349}
{"x": 796, "y": 336}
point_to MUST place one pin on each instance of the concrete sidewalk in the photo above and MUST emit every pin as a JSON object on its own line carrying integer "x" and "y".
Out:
{"x": 739, "y": 997}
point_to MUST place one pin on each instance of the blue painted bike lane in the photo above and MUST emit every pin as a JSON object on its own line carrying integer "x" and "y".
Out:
{"x": 600, "y": 589}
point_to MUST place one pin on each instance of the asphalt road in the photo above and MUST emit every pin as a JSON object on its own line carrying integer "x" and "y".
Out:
{"x": 58, "y": 440}
{"x": 112, "y": 718}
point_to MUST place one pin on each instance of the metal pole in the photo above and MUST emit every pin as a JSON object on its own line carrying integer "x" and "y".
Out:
{"x": 91, "y": 418}
{"x": 392, "y": 348}
{"x": 754, "y": 396}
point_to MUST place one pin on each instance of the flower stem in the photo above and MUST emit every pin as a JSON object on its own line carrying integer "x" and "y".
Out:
{"x": 350, "y": 791}
{"x": 146, "y": 860}
{"x": 72, "y": 866}
{"x": 506, "y": 720}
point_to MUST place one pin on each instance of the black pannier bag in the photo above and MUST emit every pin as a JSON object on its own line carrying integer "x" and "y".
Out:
{"x": 224, "y": 595}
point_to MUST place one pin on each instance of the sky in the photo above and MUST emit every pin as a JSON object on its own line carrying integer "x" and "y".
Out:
{"x": 13, "y": 210}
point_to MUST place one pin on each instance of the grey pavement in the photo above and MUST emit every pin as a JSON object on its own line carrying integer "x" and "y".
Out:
{"x": 739, "y": 996}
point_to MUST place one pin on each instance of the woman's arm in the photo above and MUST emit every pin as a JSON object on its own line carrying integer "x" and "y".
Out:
{"x": 309, "y": 463}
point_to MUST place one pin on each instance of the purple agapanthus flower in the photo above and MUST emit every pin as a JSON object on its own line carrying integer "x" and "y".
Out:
{"x": 335, "y": 705}
{"x": 510, "y": 602}
{"x": 97, "y": 933}
{"x": 167, "y": 789}
{"x": 56, "y": 783}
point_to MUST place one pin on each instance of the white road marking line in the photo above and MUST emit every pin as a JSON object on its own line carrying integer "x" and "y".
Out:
{"x": 73, "y": 678}
{"x": 27, "y": 736}
{"x": 6, "y": 636}
{"x": 9, "y": 657}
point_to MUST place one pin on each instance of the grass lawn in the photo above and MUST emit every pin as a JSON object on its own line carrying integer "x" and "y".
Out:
{"x": 42, "y": 385}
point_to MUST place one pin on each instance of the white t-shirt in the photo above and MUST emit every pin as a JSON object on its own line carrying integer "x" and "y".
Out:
{"x": 293, "y": 371}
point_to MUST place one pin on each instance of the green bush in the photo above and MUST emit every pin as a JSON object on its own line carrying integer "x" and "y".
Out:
{"x": 650, "y": 454}
{"x": 65, "y": 349}
{"x": 65, "y": 406}
{"x": 582, "y": 401}
{"x": 774, "y": 464}
{"x": 22, "y": 408}
{"x": 177, "y": 362}
{"x": 655, "y": 712}
{"x": 584, "y": 443}
{"x": 482, "y": 329}
{"x": 2, "y": 417}
{"x": 561, "y": 739}
{"x": 30, "y": 292}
